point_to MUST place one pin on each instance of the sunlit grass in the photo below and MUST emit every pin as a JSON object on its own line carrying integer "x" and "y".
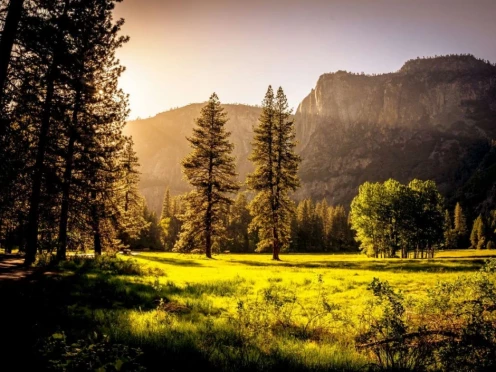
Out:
{"x": 239, "y": 311}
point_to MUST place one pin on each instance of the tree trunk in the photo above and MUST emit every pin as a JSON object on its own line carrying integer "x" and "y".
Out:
{"x": 66, "y": 186}
{"x": 97, "y": 240}
{"x": 275, "y": 243}
{"x": 34, "y": 201}
{"x": 9, "y": 33}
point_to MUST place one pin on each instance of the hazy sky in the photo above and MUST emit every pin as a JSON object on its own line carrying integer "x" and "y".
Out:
{"x": 183, "y": 50}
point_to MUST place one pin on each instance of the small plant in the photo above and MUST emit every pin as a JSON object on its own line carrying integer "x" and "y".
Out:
{"x": 96, "y": 353}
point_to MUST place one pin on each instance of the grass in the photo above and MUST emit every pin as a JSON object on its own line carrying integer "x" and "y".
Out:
{"x": 233, "y": 312}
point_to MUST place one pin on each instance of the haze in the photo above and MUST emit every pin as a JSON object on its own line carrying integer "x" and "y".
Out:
{"x": 182, "y": 51}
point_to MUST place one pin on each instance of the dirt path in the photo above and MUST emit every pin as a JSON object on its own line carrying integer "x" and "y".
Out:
{"x": 12, "y": 269}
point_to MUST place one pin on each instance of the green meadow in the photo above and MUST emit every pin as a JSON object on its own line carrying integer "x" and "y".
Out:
{"x": 232, "y": 312}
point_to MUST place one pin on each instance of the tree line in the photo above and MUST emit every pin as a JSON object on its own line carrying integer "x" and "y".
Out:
{"x": 392, "y": 219}
{"x": 69, "y": 176}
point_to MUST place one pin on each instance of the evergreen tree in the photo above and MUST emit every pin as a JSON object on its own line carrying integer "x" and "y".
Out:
{"x": 460, "y": 220}
{"x": 477, "y": 236}
{"x": 166, "y": 205}
{"x": 449, "y": 235}
{"x": 275, "y": 174}
{"x": 210, "y": 169}
{"x": 131, "y": 203}
{"x": 239, "y": 237}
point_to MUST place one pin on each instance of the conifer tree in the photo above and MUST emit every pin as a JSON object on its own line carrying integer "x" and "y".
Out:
{"x": 449, "y": 235}
{"x": 460, "y": 220}
{"x": 239, "y": 222}
{"x": 131, "y": 203}
{"x": 275, "y": 174}
{"x": 166, "y": 205}
{"x": 477, "y": 236}
{"x": 211, "y": 170}
{"x": 460, "y": 229}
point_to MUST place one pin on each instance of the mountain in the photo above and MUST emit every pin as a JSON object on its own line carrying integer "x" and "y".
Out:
{"x": 433, "y": 119}
{"x": 161, "y": 144}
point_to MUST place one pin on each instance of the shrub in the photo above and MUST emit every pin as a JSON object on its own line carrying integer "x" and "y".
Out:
{"x": 490, "y": 245}
{"x": 111, "y": 265}
{"x": 91, "y": 354}
{"x": 453, "y": 329}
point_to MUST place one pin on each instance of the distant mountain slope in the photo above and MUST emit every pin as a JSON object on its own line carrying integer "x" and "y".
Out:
{"x": 161, "y": 145}
{"x": 433, "y": 119}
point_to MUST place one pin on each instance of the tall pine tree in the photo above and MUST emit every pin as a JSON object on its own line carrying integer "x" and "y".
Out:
{"x": 211, "y": 170}
{"x": 275, "y": 174}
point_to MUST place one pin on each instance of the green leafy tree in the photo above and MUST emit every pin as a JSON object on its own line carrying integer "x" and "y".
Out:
{"x": 275, "y": 175}
{"x": 390, "y": 217}
{"x": 210, "y": 169}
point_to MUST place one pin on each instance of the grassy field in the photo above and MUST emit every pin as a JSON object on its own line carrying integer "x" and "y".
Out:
{"x": 233, "y": 312}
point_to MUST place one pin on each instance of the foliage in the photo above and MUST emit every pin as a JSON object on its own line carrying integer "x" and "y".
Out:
{"x": 96, "y": 353}
{"x": 318, "y": 227}
{"x": 453, "y": 328}
{"x": 210, "y": 169}
{"x": 110, "y": 265}
{"x": 390, "y": 217}
{"x": 275, "y": 175}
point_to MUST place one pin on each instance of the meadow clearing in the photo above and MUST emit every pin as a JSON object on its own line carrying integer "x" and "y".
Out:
{"x": 232, "y": 312}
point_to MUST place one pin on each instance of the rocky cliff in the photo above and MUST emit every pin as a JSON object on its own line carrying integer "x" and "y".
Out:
{"x": 161, "y": 144}
{"x": 433, "y": 119}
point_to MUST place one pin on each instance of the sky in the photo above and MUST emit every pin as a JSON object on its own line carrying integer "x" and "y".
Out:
{"x": 181, "y": 51}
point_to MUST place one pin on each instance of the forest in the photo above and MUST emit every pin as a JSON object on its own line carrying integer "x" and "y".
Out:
{"x": 236, "y": 274}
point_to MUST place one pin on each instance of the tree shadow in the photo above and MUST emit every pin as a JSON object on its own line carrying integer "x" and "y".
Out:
{"x": 173, "y": 261}
{"x": 441, "y": 265}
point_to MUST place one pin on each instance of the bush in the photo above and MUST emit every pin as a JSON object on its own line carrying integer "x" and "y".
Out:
{"x": 111, "y": 265}
{"x": 453, "y": 329}
{"x": 92, "y": 354}
{"x": 490, "y": 245}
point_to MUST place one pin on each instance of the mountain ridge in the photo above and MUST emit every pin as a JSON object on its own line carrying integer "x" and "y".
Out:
{"x": 434, "y": 118}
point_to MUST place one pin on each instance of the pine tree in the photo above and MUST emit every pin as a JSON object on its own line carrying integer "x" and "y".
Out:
{"x": 131, "y": 203}
{"x": 211, "y": 170}
{"x": 449, "y": 235}
{"x": 460, "y": 229}
{"x": 477, "y": 236}
{"x": 239, "y": 222}
{"x": 166, "y": 206}
{"x": 275, "y": 174}
{"x": 460, "y": 221}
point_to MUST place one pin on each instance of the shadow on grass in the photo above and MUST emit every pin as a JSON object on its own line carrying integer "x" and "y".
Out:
{"x": 439, "y": 265}
{"x": 173, "y": 261}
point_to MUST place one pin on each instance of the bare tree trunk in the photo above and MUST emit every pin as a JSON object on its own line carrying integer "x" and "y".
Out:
{"x": 9, "y": 33}
{"x": 97, "y": 240}
{"x": 275, "y": 243}
{"x": 66, "y": 187}
{"x": 34, "y": 201}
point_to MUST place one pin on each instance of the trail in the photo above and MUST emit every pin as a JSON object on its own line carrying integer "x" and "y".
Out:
{"x": 12, "y": 269}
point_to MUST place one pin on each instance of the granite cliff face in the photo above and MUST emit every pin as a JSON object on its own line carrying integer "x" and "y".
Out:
{"x": 433, "y": 119}
{"x": 161, "y": 144}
